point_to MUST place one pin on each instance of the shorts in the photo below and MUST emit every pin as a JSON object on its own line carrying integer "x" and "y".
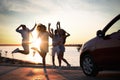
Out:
{"x": 55, "y": 49}
{"x": 62, "y": 48}
{"x": 25, "y": 46}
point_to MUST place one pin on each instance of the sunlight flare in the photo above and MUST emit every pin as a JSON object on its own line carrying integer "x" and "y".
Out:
{"x": 37, "y": 58}
{"x": 35, "y": 40}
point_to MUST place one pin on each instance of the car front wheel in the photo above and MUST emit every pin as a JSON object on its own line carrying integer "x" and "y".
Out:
{"x": 88, "y": 65}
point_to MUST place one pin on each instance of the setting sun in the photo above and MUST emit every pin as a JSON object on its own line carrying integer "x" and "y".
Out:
{"x": 35, "y": 42}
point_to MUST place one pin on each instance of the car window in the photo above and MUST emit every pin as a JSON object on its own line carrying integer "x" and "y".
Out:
{"x": 114, "y": 28}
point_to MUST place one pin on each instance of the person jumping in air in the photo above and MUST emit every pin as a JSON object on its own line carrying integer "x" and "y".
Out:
{"x": 25, "y": 32}
{"x": 43, "y": 35}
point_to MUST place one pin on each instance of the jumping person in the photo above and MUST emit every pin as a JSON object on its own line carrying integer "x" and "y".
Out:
{"x": 25, "y": 32}
{"x": 43, "y": 35}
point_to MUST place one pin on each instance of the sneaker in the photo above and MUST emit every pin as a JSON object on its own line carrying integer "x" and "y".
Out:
{"x": 15, "y": 51}
{"x": 54, "y": 66}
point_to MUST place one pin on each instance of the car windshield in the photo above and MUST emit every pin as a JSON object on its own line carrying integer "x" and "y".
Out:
{"x": 114, "y": 28}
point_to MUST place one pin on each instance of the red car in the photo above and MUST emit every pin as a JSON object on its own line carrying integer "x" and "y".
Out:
{"x": 103, "y": 51}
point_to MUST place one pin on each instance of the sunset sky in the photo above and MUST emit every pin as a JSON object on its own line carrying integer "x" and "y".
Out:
{"x": 80, "y": 18}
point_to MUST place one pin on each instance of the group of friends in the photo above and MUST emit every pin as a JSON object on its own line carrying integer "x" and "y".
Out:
{"x": 58, "y": 37}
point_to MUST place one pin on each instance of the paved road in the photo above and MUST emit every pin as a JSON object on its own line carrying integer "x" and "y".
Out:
{"x": 35, "y": 73}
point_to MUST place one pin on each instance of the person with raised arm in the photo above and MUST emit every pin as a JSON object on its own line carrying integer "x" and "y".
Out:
{"x": 55, "y": 43}
{"x": 63, "y": 35}
{"x": 25, "y": 33}
{"x": 43, "y": 35}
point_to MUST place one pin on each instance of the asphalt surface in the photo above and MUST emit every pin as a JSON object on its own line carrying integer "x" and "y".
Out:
{"x": 39, "y": 73}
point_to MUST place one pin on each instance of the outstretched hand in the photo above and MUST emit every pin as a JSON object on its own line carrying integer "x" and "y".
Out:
{"x": 49, "y": 24}
{"x": 58, "y": 23}
{"x": 35, "y": 24}
{"x": 51, "y": 29}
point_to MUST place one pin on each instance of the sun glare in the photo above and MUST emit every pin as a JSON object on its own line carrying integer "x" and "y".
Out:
{"x": 35, "y": 42}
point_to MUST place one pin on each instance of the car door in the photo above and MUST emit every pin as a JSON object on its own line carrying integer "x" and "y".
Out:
{"x": 108, "y": 47}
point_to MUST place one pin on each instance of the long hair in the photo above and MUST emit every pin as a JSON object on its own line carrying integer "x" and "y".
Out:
{"x": 41, "y": 28}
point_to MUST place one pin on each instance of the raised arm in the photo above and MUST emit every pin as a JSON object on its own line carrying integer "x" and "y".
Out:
{"x": 67, "y": 34}
{"x": 58, "y": 25}
{"x": 33, "y": 27}
{"x": 49, "y": 27}
{"x": 18, "y": 29}
{"x": 50, "y": 31}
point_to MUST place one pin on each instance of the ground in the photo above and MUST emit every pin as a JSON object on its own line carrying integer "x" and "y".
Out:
{"x": 31, "y": 72}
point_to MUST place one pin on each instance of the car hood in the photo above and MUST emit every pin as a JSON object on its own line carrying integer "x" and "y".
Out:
{"x": 90, "y": 44}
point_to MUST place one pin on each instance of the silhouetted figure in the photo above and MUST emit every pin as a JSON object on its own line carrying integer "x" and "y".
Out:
{"x": 43, "y": 34}
{"x": 63, "y": 35}
{"x": 55, "y": 43}
{"x": 25, "y": 32}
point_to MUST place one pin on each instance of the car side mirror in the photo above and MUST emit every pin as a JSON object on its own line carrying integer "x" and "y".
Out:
{"x": 100, "y": 33}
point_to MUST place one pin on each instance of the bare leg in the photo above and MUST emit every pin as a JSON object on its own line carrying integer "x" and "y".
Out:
{"x": 34, "y": 48}
{"x": 26, "y": 49}
{"x": 24, "y": 52}
{"x": 59, "y": 60}
{"x": 62, "y": 58}
{"x": 42, "y": 54}
{"x": 53, "y": 60}
{"x": 20, "y": 51}
{"x": 44, "y": 62}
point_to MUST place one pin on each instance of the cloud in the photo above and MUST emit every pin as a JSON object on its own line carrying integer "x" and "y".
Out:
{"x": 22, "y": 9}
{"x": 43, "y": 6}
{"x": 15, "y": 6}
{"x": 109, "y": 6}
{"x": 71, "y": 13}
{"x": 28, "y": 6}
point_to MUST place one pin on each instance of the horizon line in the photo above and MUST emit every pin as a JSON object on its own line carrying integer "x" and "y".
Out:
{"x": 50, "y": 45}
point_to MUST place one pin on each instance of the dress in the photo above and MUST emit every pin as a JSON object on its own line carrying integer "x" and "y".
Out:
{"x": 44, "y": 42}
